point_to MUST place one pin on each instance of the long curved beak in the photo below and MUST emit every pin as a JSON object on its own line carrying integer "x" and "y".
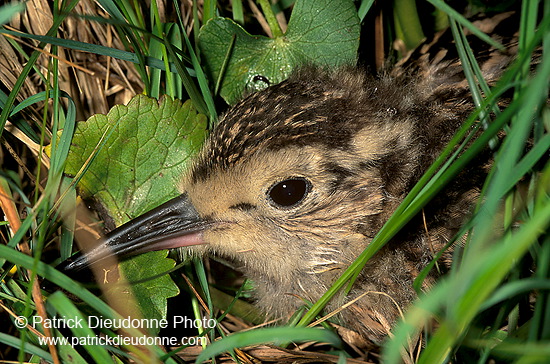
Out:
{"x": 173, "y": 224}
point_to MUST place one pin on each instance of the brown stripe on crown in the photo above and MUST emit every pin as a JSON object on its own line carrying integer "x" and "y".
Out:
{"x": 312, "y": 107}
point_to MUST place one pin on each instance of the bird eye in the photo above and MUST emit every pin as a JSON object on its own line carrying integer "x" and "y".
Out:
{"x": 289, "y": 192}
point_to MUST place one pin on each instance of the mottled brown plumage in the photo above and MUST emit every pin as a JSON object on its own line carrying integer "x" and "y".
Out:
{"x": 353, "y": 146}
{"x": 362, "y": 144}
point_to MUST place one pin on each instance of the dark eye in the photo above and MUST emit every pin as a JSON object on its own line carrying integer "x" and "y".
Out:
{"x": 289, "y": 192}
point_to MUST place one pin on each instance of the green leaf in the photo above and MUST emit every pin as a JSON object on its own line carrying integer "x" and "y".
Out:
{"x": 154, "y": 286}
{"x": 321, "y": 32}
{"x": 147, "y": 145}
{"x": 9, "y": 11}
{"x": 66, "y": 308}
{"x": 276, "y": 335}
{"x": 15, "y": 342}
{"x": 133, "y": 159}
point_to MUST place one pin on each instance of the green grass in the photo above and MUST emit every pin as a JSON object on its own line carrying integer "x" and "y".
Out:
{"x": 494, "y": 304}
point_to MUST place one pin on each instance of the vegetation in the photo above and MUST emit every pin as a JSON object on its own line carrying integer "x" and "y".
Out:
{"x": 64, "y": 61}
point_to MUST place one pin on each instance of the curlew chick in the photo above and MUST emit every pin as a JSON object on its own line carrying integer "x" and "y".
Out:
{"x": 296, "y": 180}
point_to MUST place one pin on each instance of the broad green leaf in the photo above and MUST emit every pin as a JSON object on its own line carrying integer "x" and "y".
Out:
{"x": 151, "y": 294}
{"x": 135, "y": 157}
{"x": 147, "y": 145}
{"x": 320, "y": 32}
